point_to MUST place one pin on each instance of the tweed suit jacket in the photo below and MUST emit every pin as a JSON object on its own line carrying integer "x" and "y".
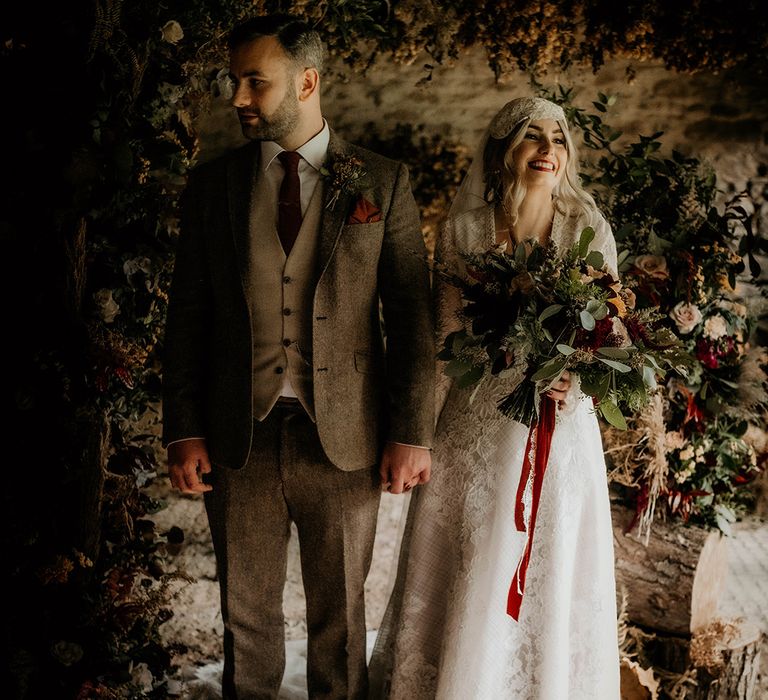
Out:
{"x": 364, "y": 395}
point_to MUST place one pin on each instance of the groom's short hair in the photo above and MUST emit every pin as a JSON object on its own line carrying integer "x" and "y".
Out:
{"x": 300, "y": 41}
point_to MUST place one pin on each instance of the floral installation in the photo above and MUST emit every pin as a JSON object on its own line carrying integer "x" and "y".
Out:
{"x": 542, "y": 314}
{"x": 692, "y": 456}
{"x": 346, "y": 175}
{"x": 142, "y": 73}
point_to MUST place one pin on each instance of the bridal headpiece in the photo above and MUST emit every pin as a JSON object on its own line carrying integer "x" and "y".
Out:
{"x": 515, "y": 111}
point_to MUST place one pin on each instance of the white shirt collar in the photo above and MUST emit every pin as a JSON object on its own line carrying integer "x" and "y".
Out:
{"x": 313, "y": 151}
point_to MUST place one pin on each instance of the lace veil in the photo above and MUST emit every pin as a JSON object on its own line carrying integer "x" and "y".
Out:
{"x": 471, "y": 193}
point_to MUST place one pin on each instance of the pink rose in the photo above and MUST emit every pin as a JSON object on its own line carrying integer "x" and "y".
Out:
{"x": 686, "y": 317}
{"x": 654, "y": 266}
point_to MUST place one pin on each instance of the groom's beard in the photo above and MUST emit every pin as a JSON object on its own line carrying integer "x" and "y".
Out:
{"x": 278, "y": 124}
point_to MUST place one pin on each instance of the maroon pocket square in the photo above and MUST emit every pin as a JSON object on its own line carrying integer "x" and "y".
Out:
{"x": 364, "y": 213}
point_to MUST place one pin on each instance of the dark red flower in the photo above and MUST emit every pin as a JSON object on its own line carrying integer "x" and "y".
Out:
{"x": 707, "y": 354}
{"x": 597, "y": 338}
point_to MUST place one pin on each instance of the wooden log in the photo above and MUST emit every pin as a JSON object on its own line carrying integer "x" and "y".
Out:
{"x": 675, "y": 582}
{"x": 95, "y": 434}
{"x": 737, "y": 679}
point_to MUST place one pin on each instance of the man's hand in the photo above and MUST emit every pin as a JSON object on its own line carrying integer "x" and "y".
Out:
{"x": 559, "y": 390}
{"x": 187, "y": 461}
{"x": 403, "y": 467}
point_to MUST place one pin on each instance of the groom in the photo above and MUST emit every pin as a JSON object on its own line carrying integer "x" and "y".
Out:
{"x": 277, "y": 384}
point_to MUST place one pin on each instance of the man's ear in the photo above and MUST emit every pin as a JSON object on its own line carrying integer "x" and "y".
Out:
{"x": 309, "y": 83}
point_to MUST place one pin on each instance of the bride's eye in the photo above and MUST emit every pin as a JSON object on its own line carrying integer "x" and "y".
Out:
{"x": 532, "y": 135}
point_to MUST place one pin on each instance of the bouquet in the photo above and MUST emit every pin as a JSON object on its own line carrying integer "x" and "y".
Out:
{"x": 549, "y": 314}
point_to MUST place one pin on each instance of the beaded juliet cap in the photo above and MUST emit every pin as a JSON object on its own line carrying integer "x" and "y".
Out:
{"x": 515, "y": 111}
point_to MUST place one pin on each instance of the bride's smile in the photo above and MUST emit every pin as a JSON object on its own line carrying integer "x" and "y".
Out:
{"x": 540, "y": 158}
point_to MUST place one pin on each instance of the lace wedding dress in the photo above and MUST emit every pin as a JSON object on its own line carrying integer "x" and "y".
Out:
{"x": 446, "y": 633}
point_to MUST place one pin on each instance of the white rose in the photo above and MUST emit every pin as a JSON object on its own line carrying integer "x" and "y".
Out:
{"x": 674, "y": 440}
{"x": 686, "y": 317}
{"x": 172, "y": 32}
{"x": 734, "y": 307}
{"x": 223, "y": 82}
{"x": 687, "y": 453}
{"x": 107, "y": 306}
{"x": 715, "y": 327}
{"x": 134, "y": 265}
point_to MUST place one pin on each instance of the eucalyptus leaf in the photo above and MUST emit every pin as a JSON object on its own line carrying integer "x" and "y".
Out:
{"x": 587, "y": 236}
{"x": 619, "y": 366}
{"x": 651, "y": 360}
{"x": 587, "y": 320}
{"x": 456, "y": 368}
{"x": 470, "y": 377}
{"x": 598, "y": 309}
{"x": 553, "y": 368}
{"x": 611, "y": 412}
{"x": 549, "y": 312}
{"x": 565, "y": 349}
{"x": 595, "y": 259}
{"x": 614, "y": 353}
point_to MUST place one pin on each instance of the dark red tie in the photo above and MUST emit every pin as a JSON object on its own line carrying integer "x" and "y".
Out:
{"x": 289, "y": 203}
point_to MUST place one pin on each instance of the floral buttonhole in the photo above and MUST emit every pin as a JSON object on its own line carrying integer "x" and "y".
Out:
{"x": 347, "y": 175}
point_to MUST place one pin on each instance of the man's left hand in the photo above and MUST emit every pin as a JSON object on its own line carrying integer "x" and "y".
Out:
{"x": 403, "y": 467}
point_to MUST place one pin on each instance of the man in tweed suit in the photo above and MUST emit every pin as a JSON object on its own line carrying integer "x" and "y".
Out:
{"x": 281, "y": 402}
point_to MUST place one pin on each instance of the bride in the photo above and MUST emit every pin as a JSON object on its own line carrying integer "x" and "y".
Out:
{"x": 446, "y": 633}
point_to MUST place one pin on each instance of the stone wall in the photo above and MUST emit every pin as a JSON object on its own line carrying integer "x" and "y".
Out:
{"x": 711, "y": 116}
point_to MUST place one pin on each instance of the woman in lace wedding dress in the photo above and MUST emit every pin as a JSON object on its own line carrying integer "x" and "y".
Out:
{"x": 446, "y": 633}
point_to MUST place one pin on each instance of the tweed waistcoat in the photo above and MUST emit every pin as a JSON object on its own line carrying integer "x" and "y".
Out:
{"x": 283, "y": 290}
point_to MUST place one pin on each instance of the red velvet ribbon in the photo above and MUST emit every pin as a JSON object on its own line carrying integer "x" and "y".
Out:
{"x": 541, "y": 432}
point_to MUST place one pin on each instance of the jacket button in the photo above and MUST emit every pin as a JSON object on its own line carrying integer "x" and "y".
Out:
{"x": 287, "y": 280}
{"x": 286, "y": 312}
{"x": 286, "y": 342}
{"x": 278, "y": 370}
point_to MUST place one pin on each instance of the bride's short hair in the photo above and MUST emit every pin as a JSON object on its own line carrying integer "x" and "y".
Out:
{"x": 503, "y": 185}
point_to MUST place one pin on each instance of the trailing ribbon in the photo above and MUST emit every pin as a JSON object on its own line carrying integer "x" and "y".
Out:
{"x": 529, "y": 490}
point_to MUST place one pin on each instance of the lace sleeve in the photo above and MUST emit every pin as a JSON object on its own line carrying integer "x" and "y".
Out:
{"x": 447, "y": 303}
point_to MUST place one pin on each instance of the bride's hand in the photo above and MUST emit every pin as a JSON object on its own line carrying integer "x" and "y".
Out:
{"x": 559, "y": 390}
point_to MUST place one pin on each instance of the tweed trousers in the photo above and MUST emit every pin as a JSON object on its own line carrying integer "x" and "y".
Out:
{"x": 288, "y": 478}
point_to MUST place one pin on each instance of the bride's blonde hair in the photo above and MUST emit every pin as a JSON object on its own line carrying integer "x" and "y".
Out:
{"x": 503, "y": 185}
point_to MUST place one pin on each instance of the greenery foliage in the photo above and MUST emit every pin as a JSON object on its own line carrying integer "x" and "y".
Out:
{"x": 683, "y": 254}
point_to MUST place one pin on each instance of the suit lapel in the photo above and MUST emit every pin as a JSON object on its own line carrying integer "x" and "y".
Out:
{"x": 241, "y": 176}
{"x": 332, "y": 220}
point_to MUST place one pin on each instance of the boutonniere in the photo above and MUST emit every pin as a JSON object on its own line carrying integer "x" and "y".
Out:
{"x": 347, "y": 175}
